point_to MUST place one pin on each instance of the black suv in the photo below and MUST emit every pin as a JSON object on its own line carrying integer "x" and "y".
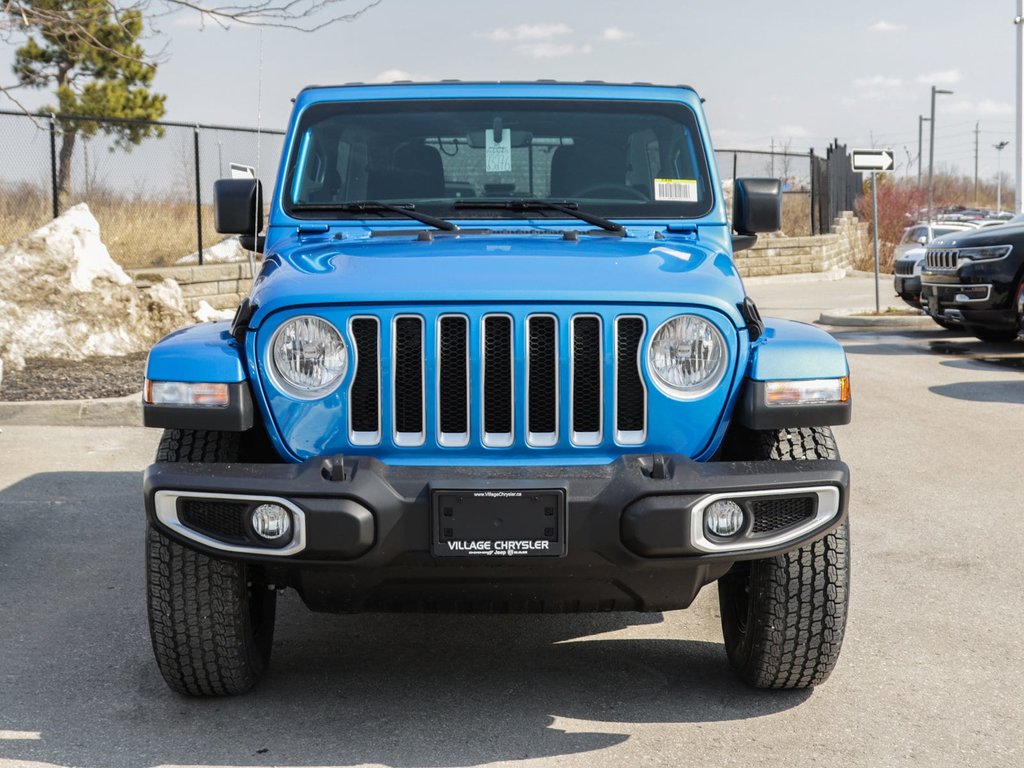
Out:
{"x": 975, "y": 278}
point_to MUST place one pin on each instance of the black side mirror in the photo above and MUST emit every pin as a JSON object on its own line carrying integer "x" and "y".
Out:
{"x": 757, "y": 206}
{"x": 238, "y": 206}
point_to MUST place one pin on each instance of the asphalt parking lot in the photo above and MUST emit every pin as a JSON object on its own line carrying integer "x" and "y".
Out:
{"x": 931, "y": 674}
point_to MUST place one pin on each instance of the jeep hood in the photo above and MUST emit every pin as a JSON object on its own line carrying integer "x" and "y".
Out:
{"x": 497, "y": 269}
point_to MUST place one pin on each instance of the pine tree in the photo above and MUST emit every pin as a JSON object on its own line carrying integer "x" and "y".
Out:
{"x": 88, "y": 51}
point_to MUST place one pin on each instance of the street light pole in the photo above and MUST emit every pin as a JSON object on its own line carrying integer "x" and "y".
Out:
{"x": 999, "y": 175}
{"x": 921, "y": 120}
{"x": 931, "y": 148}
{"x": 1019, "y": 147}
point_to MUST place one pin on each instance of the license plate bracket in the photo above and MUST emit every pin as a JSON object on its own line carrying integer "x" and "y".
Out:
{"x": 488, "y": 522}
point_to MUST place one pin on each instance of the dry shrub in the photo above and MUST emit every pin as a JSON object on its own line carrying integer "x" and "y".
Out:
{"x": 796, "y": 214}
{"x": 138, "y": 232}
{"x": 897, "y": 200}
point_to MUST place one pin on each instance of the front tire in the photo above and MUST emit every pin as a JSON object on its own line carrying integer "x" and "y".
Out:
{"x": 211, "y": 620}
{"x": 783, "y": 618}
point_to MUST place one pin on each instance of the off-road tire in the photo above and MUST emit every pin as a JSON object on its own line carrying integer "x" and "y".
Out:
{"x": 211, "y": 620}
{"x": 947, "y": 324}
{"x": 783, "y": 618}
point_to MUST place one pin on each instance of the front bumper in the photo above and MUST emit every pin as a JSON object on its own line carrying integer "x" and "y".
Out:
{"x": 908, "y": 288}
{"x": 979, "y": 294}
{"x": 634, "y": 534}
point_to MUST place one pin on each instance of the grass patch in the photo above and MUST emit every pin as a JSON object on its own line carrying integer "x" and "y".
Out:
{"x": 137, "y": 232}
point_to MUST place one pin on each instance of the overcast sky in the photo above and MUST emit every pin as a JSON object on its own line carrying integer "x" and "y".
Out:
{"x": 792, "y": 72}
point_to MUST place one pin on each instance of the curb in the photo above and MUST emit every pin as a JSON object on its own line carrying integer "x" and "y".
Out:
{"x": 103, "y": 412}
{"x": 853, "y": 318}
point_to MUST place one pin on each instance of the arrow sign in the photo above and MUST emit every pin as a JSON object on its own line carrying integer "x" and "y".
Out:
{"x": 872, "y": 159}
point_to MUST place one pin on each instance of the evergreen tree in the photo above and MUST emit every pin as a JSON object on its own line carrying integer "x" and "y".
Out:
{"x": 88, "y": 51}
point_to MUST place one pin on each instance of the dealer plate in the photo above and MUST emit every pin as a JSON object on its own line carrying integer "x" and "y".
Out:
{"x": 488, "y": 522}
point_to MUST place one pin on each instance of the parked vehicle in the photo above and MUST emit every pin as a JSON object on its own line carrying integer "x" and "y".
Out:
{"x": 975, "y": 278}
{"x": 922, "y": 233}
{"x": 498, "y": 358}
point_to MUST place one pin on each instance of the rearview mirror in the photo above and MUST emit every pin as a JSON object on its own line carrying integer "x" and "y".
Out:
{"x": 757, "y": 206}
{"x": 478, "y": 139}
{"x": 238, "y": 206}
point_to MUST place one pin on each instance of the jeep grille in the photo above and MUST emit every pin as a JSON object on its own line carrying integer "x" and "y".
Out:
{"x": 943, "y": 259}
{"x": 491, "y": 401}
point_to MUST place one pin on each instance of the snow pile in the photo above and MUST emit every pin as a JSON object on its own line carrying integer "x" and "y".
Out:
{"x": 207, "y": 314}
{"x": 227, "y": 250}
{"x": 61, "y": 295}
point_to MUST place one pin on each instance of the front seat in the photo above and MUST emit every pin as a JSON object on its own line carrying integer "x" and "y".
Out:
{"x": 415, "y": 172}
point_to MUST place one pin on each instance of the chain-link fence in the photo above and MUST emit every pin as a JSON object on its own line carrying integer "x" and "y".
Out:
{"x": 815, "y": 188}
{"x": 794, "y": 170}
{"x": 149, "y": 184}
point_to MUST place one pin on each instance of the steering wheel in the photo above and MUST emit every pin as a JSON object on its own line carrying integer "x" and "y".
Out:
{"x": 618, "y": 190}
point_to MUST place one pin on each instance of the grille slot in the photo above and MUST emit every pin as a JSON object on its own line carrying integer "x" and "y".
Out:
{"x": 221, "y": 520}
{"x": 630, "y": 391}
{"x": 942, "y": 258}
{"x": 542, "y": 380}
{"x": 407, "y": 365}
{"x": 774, "y": 514}
{"x": 586, "y": 380}
{"x": 364, "y": 395}
{"x": 498, "y": 386}
{"x": 904, "y": 268}
{"x": 453, "y": 380}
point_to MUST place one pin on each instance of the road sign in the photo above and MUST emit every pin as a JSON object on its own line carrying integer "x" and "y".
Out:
{"x": 872, "y": 159}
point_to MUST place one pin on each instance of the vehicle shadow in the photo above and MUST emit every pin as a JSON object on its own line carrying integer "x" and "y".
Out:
{"x": 399, "y": 690}
{"x": 982, "y": 391}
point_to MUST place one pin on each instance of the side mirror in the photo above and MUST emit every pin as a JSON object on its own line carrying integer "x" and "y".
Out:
{"x": 238, "y": 206}
{"x": 922, "y": 240}
{"x": 757, "y": 206}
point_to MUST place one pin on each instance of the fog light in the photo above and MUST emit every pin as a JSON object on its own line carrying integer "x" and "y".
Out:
{"x": 271, "y": 522}
{"x": 724, "y": 518}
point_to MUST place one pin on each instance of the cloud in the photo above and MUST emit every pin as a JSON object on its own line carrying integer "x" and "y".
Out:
{"x": 983, "y": 108}
{"x": 877, "y": 81}
{"x": 390, "y": 75}
{"x": 526, "y": 32}
{"x": 941, "y": 77}
{"x": 886, "y": 26}
{"x": 794, "y": 131}
{"x": 615, "y": 35}
{"x": 548, "y": 50}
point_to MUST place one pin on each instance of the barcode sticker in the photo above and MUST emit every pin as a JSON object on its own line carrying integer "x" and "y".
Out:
{"x": 677, "y": 190}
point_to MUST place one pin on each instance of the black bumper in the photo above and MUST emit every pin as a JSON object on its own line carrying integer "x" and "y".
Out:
{"x": 980, "y": 295}
{"x": 908, "y": 288}
{"x": 628, "y": 526}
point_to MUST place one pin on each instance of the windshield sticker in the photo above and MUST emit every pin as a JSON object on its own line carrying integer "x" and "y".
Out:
{"x": 499, "y": 153}
{"x": 677, "y": 190}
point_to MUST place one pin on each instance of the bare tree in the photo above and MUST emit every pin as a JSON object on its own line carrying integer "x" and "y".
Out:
{"x": 18, "y": 18}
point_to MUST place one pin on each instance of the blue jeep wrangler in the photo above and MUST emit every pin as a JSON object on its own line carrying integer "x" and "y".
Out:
{"x": 498, "y": 358}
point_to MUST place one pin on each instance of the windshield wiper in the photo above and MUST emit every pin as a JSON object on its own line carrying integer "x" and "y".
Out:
{"x": 372, "y": 206}
{"x": 566, "y": 207}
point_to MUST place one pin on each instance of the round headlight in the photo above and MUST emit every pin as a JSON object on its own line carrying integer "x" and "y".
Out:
{"x": 309, "y": 357}
{"x": 687, "y": 356}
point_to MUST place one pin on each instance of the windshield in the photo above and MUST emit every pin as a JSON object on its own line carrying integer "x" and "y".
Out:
{"x": 623, "y": 159}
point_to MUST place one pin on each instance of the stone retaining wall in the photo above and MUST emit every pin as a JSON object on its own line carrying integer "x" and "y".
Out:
{"x": 780, "y": 255}
{"x": 221, "y": 285}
